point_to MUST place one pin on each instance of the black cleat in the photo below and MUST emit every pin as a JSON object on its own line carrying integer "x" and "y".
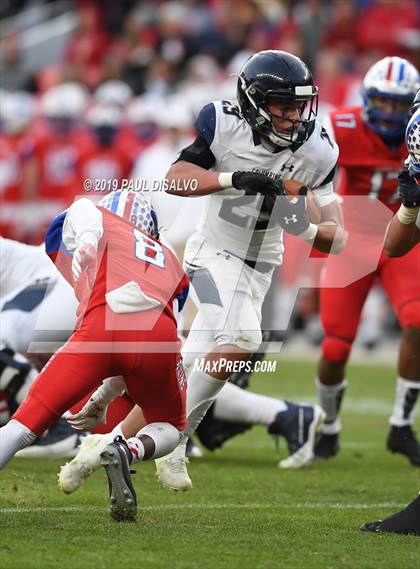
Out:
{"x": 406, "y": 522}
{"x": 299, "y": 425}
{"x": 403, "y": 440}
{"x": 116, "y": 458}
{"x": 326, "y": 446}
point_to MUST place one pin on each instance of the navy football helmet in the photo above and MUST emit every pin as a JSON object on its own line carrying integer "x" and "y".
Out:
{"x": 270, "y": 75}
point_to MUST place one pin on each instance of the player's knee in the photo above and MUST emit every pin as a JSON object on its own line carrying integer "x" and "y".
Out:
{"x": 409, "y": 314}
{"x": 249, "y": 340}
{"x": 336, "y": 350}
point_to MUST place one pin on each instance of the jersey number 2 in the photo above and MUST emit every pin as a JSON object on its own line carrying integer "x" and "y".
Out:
{"x": 148, "y": 250}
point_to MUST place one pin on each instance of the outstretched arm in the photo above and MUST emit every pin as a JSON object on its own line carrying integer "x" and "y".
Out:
{"x": 401, "y": 237}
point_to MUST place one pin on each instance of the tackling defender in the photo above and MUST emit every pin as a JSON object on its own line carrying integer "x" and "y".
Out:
{"x": 127, "y": 283}
{"x": 270, "y": 134}
{"x": 403, "y": 234}
{"x": 371, "y": 142}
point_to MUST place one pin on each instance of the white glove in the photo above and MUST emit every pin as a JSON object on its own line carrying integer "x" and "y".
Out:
{"x": 93, "y": 412}
{"x": 85, "y": 261}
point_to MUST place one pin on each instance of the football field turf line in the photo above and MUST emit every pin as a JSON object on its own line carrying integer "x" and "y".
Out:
{"x": 204, "y": 506}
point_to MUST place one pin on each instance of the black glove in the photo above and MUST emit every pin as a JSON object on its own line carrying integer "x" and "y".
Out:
{"x": 292, "y": 216}
{"x": 408, "y": 189}
{"x": 256, "y": 183}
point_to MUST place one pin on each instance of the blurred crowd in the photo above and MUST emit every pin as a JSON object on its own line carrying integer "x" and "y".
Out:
{"x": 132, "y": 76}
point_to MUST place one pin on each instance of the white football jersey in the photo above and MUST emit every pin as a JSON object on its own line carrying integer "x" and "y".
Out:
{"x": 22, "y": 265}
{"x": 230, "y": 217}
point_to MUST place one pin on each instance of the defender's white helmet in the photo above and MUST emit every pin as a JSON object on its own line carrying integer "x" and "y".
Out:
{"x": 132, "y": 207}
{"x": 412, "y": 140}
{"x": 393, "y": 78}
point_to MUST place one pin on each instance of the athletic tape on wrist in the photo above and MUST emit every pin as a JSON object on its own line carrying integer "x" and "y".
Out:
{"x": 310, "y": 232}
{"x": 225, "y": 179}
{"x": 407, "y": 215}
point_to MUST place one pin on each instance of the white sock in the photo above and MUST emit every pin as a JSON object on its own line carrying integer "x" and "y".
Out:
{"x": 117, "y": 431}
{"x": 202, "y": 390}
{"x": 165, "y": 436}
{"x": 407, "y": 392}
{"x": 331, "y": 428}
{"x": 137, "y": 448}
{"x": 330, "y": 398}
{"x": 13, "y": 437}
{"x": 240, "y": 406}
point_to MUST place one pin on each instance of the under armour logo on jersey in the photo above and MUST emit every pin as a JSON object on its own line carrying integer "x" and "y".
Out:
{"x": 288, "y": 167}
{"x": 292, "y": 219}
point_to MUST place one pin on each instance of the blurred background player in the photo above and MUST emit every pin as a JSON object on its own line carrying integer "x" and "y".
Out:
{"x": 403, "y": 234}
{"x": 372, "y": 149}
{"x": 17, "y": 173}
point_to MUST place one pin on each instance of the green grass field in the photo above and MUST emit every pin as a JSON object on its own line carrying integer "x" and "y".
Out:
{"x": 243, "y": 512}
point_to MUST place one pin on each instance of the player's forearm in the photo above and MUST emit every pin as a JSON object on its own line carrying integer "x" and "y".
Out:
{"x": 83, "y": 224}
{"x": 330, "y": 238}
{"x": 188, "y": 180}
{"x": 400, "y": 237}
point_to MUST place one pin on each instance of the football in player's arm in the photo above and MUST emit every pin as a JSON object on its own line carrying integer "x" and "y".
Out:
{"x": 193, "y": 164}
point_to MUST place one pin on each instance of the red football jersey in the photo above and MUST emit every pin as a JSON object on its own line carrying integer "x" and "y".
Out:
{"x": 103, "y": 166}
{"x": 371, "y": 167}
{"x": 58, "y": 156}
{"x": 125, "y": 254}
{"x": 13, "y": 151}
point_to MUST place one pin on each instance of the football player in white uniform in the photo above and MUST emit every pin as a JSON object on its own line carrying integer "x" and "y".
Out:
{"x": 36, "y": 303}
{"x": 243, "y": 152}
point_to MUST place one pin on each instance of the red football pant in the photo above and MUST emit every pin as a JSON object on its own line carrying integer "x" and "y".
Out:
{"x": 155, "y": 381}
{"x": 341, "y": 307}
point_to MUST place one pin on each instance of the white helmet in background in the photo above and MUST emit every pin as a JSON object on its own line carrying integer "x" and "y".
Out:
{"x": 175, "y": 114}
{"x": 17, "y": 110}
{"x": 391, "y": 78}
{"x": 104, "y": 123}
{"x": 101, "y": 115}
{"x": 67, "y": 100}
{"x": 113, "y": 93}
{"x": 144, "y": 110}
{"x": 143, "y": 114}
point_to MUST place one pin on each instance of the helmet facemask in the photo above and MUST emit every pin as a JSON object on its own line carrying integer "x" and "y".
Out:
{"x": 388, "y": 124}
{"x": 305, "y": 100}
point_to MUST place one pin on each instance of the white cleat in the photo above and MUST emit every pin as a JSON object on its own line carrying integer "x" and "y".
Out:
{"x": 73, "y": 474}
{"x": 171, "y": 470}
{"x": 309, "y": 420}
